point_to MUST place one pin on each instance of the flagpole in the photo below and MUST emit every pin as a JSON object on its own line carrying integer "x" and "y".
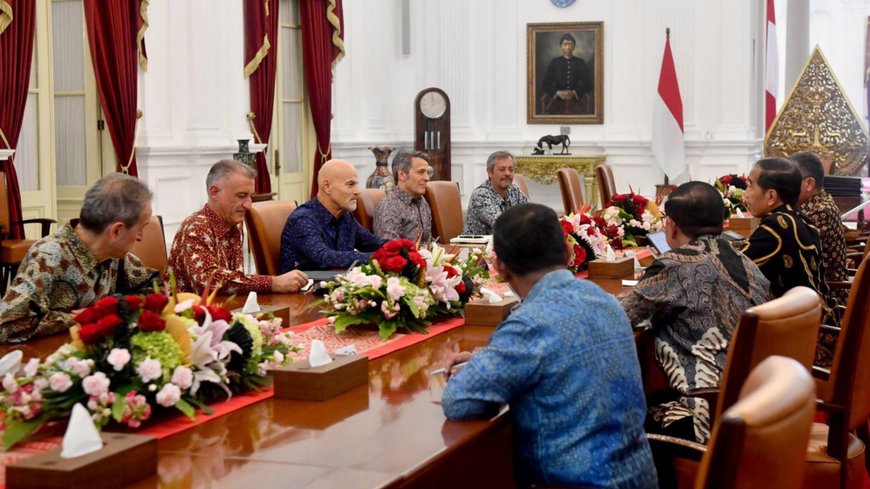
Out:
{"x": 667, "y": 183}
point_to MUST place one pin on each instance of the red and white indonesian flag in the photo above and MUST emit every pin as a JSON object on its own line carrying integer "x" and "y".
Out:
{"x": 667, "y": 132}
{"x": 771, "y": 70}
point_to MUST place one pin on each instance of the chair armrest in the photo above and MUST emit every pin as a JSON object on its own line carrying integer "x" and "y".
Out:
{"x": 709, "y": 394}
{"x": 839, "y": 285}
{"x": 43, "y": 221}
{"x": 687, "y": 449}
{"x": 821, "y": 373}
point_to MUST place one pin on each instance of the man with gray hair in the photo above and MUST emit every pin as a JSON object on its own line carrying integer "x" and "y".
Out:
{"x": 208, "y": 245}
{"x": 404, "y": 213}
{"x": 494, "y": 196}
{"x": 78, "y": 265}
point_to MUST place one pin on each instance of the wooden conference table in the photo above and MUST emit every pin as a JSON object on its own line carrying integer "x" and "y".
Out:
{"x": 391, "y": 433}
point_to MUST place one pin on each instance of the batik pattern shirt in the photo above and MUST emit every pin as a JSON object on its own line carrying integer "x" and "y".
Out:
{"x": 206, "y": 248}
{"x": 486, "y": 205}
{"x": 566, "y": 363}
{"x": 314, "y": 239}
{"x": 59, "y": 274}
{"x": 825, "y": 216}
{"x": 402, "y": 216}
{"x": 692, "y": 298}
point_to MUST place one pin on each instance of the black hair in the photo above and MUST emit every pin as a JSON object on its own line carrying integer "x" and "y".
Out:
{"x": 781, "y": 175}
{"x": 697, "y": 208}
{"x": 810, "y": 165}
{"x": 568, "y": 37}
{"x": 528, "y": 238}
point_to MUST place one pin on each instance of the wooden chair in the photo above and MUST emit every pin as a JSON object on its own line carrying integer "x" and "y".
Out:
{"x": 152, "y": 249}
{"x": 366, "y": 205}
{"x": 12, "y": 251}
{"x": 572, "y": 189}
{"x": 446, "y": 204}
{"x": 836, "y": 456}
{"x": 758, "y": 443}
{"x": 265, "y": 222}
{"x": 520, "y": 180}
{"x": 606, "y": 184}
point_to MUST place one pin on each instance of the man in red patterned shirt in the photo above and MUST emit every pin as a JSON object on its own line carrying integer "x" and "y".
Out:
{"x": 209, "y": 243}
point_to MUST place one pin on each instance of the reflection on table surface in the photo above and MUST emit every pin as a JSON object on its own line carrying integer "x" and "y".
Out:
{"x": 390, "y": 433}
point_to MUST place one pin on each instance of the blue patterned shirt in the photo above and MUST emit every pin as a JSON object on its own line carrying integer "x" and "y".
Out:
{"x": 314, "y": 239}
{"x": 566, "y": 363}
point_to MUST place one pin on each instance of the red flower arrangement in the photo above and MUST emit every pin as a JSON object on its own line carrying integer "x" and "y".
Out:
{"x": 400, "y": 256}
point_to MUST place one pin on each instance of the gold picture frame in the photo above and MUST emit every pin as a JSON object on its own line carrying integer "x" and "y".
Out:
{"x": 565, "y": 89}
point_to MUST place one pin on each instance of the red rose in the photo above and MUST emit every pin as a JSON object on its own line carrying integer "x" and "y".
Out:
{"x": 640, "y": 208}
{"x": 156, "y": 302}
{"x": 639, "y": 199}
{"x": 90, "y": 334}
{"x": 460, "y": 288}
{"x": 579, "y": 255}
{"x": 107, "y": 305}
{"x": 87, "y": 316}
{"x": 408, "y": 244}
{"x": 726, "y": 180}
{"x": 584, "y": 219}
{"x": 392, "y": 247}
{"x": 567, "y": 227}
{"x": 451, "y": 272}
{"x": 134, "y": 302}
{"x": 220, "y": 313}
{"x": 393, "y": 264}
{"x": 108, "y": 324}
{"x": 618, "y": 198}
{"x": 151, "y": 321}
{"x": 418, "y": 260}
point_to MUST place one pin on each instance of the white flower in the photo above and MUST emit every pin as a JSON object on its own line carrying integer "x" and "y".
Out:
{"x": 375, "y": 281}
{"x": 10, "y": 384}
{"x": 118, "y": 358}
{"x": 96, "y": 385}
{"x": 59, "y": 382}
{"x": 168, "y": 395}
{"x": 31, "y": 367}
{"x": 279, "y": 357}
{"x": 39, "y": 384}
{"x": 149, "y": 370}
{"x": 82, "y": 368}
{"x": 183, "y": 306}
{"x": 183, "y": 377}
{"x": 394, "y": 288}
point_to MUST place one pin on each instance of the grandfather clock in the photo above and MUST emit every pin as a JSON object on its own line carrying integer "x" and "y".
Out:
{"x": 432, "y": 129}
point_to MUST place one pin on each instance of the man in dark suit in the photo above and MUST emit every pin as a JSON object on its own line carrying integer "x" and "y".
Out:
{"x": 567, "y": 80}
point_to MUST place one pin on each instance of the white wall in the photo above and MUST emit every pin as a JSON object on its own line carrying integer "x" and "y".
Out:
{"x": 476, "y": 51}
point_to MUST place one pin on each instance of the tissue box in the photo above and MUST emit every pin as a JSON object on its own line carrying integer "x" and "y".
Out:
{"x": 743, "y": 225}
{"x": 302, "y": 382}
{"x": 618, "y": 268}
{"x": 482, "y": 313}
{"x": 123, "y": 460}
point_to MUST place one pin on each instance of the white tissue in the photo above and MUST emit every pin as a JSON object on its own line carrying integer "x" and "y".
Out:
{"x": 610, "y": 254}
{"x": 11, "y": 362}
{"x": 318, "y": 356}
{"x": 491, "y": 296}
{"x": 739, "y": 212}
{"x": 251, "y": 305}
{"x": 81, "y": 436}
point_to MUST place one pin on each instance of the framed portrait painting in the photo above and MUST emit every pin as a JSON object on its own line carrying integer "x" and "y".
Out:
{"x": 565, "y": 66}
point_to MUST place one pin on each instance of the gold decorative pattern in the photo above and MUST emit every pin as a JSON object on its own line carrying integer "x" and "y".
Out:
{"x": 5, "y": 15}
{"x": 140, "y": 35}
{"x": 817, "y": 116}
{"x": 335, "y": 22}
{"x": 542, "y": 169}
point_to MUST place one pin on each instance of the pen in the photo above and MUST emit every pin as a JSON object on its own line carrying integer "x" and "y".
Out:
{"x": 438, "y": 371}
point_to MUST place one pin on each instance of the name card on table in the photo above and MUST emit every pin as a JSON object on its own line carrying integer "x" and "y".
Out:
{"x": 302, "y": 382}
{"x": 483, "y": 313}
{"x": 123, "y": 460}
{"x": 618, "y": 268}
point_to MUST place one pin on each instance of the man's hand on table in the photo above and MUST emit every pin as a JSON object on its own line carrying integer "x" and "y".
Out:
{"x": 457, "y": 358}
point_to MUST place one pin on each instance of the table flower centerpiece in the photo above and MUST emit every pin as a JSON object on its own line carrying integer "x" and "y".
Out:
{"x": 585, "y": 241}
{"x": 733, "y": 191}
{"x": 629, "y": 217}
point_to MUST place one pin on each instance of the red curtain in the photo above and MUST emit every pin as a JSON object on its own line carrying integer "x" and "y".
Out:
{"x": 261, "y": 30}
{"x": 322, "y": 47}
{"x": 16, "y": 51}
{"x": 112, "y": 28}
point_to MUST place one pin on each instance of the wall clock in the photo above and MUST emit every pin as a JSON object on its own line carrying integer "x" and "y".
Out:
{"x": 562, "y": 3}
{"x": 432, "y": 129}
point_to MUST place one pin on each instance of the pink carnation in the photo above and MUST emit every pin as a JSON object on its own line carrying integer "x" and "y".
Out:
{"x": 118, "y": 358}
{"x": 96, "y": 385}
{"x": 168, "y": 395}
{"x": 59, "y": 382}
{"x": 149, "y": 370}
{"x": 10, "y": 384}
{"x": 183, "y": 377}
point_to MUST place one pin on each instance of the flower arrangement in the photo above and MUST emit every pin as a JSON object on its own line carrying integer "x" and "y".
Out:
{"x": 586, "y": 242}
{"x": 401, "y": 288}
{"x": 133, "y": 355}
{"x": 733, "y": 190}
{"x": 632, "y": 216}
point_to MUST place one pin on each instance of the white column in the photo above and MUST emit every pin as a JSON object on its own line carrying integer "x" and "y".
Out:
{"x": 797, "y": 49}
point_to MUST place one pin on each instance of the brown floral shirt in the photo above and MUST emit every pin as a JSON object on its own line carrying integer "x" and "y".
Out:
{"x": 825, "y": 216}
{"x": 205, "y": 247}
{"x": 402, "y": 216}
{"x": 58, "y": 275}
{"x": 692, "y": 298}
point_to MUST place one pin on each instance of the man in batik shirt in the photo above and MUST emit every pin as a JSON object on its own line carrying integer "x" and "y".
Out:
{"x": 691, "y": 298}
{"x": 208, "y": 245}
{"x": 77, "y": 266}
{"x": 494, "y": 196}
{"x": 819, "y": 206}
{"x": 404, "y": 213}
{"x": 564, "y": 361}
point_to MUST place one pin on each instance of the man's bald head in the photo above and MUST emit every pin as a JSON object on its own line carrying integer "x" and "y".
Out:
{"x": 338, "y": 186}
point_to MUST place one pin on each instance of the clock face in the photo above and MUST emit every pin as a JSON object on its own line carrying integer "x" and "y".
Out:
{"x": 433, "y": 105}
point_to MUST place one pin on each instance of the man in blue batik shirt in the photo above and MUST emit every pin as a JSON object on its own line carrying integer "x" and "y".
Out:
{"x": 322, "y": 233}
{"x": 565, "y": 361}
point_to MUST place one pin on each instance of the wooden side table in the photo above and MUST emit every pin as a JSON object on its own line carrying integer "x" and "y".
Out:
{"x": 542, "y": 169}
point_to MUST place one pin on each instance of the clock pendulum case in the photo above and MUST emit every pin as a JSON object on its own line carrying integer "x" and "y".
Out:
{"x": 432, "y": 129}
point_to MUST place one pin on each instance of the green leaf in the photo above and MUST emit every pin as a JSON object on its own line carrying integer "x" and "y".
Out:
{"x": 412, "y": 306}
{"x": 186, "y": 408}
{"x": 387, "y": 328}
{"x": 201, "y": 405}
{"x": 345, "y": 320}
{"x": 18, "y": 430}
{"x": 118, "y": 407}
